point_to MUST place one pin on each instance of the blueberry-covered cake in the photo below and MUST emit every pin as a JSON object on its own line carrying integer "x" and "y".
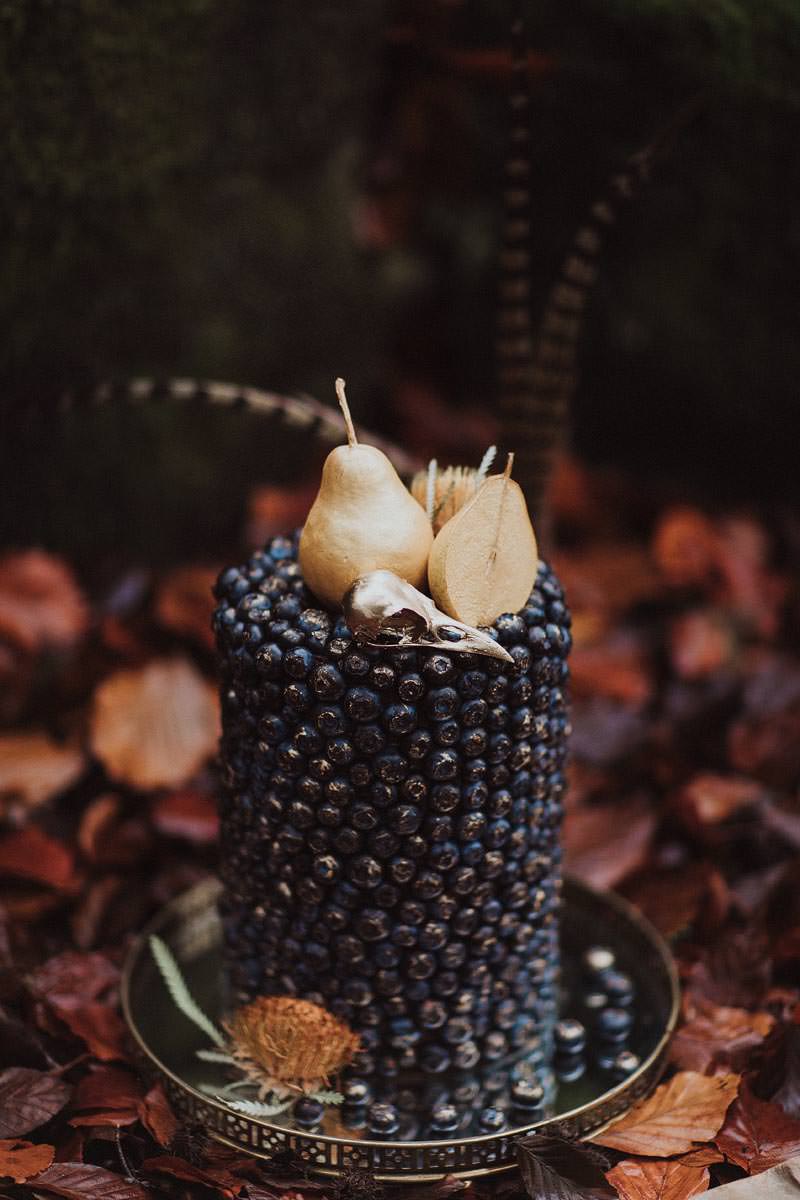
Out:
{"x": 392, "y": 792}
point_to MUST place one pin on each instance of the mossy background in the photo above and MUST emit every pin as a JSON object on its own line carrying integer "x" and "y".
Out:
{"x": 274, "y": 193}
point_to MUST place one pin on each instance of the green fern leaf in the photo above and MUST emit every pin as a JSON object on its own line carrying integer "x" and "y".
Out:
{"x": 327, "y": 1097}
{"x": 255, "y": 1108}
{"x": 176, "y": 986}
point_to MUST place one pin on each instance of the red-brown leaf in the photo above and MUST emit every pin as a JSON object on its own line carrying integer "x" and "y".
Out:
{"x": 70, "y": 979}
{"x": 217, "y": 1177}
{"x": 186, "y": 814}
{"x": 157, "y": 1116}
{"x": 155, "y": 726}
{"x": 675, "y": 898}
{"x": 758, "y": 1134}
{"x": 680, "y": 1114}
{"x": 31, "y": 854}
{"x": 34, "y": 768}
{"x": 20, "y": 1160}
{"x": 717, "y": 1037}
{"x": 108, "y": 1090}
{"x": 80, "y": 1181}
{"x": 100, "y": 1027}
{"x": 28, "y": 1099}
{"x": 711, "y": 798}
{"x": 184, "y": 602}
{"x": 40, "y": 602}
{"x": 605, "y": 842}
{"x": 702, "y": 643}
{"x": 660, "y": 1179}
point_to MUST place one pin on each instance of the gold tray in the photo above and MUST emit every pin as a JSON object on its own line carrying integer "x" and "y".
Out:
{"x": 191, "y": 928}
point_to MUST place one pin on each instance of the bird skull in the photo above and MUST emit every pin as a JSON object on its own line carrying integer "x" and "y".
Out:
{"x": 382, "y": 609}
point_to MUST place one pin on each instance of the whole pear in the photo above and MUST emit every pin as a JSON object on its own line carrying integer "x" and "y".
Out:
{"x": 363, "y": 519}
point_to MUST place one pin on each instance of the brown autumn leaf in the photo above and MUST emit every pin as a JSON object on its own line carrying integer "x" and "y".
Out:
{"x": 20, "y": 1160}
{"x": 617, "y": 667}
{"x": 80, "y": 1181}
{"x": 29, "y": 1099}
{"x": 608, "y": 577}
{"x": 187, "y": 813}
{"x": 97, "y": 817}
{"x": 184, "y": 602}
{"x": 88, "y": 917}
{"x": 71, "y": 979}
{"x": 34, "y": 768}
{"x": 735, "y": 970}
{"x": 758, "y": 1134}
{"x": 100, "y": 1027}
{"x": 704, "y": 1156}
{"x": 659, "y": 1179}
{"x": 605, "y": 842}
{"x": 155, "y": 726}
{"x": 673, "y": 898}
{"x": 31, "y": 854}
{"x": 709, "y": 797}
{"x": 272, "y": 510}
{"x": 40, "y": 602}
{"x": 157, "y": 1116}
{"x": 718, "y": 1038}
{"x": 679, "y": 1115}
{"x": 779, "y": 1183}
{"x": 701, "y": 643}
{"x": 686, "y": 547}
{"x": 220, "y": 1178}
{"x": 107, "y": 1096}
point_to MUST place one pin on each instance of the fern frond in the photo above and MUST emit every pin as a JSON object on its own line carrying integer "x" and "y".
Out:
{"x": 325, "y": 1096}
{"x": 255, "y": 1108}
{"x": 216, "y": 1056}
{"x": 176, "y": 986}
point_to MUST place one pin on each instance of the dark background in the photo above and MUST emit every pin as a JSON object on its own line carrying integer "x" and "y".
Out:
{"x": 276, "y": 193}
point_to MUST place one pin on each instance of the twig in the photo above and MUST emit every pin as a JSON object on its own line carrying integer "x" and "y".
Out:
{"x": 352, "y": 440}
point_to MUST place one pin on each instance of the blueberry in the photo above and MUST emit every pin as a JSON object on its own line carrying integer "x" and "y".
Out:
{"x": 362, "y": 704}
{"x": 613, "y": 1024}
{"x": 625, "y": 1063}
{"x": 618, "y": 987}
{"x": 308, "y": 1112}
{"x": 492, "y": 1120}
{"x": 434, "y": 1059}
{"x": 599, "y": 959}
{"x": 444, "y": 1119}
{"x": 527, "y": 1094}
{"x": 382, "y": 1119}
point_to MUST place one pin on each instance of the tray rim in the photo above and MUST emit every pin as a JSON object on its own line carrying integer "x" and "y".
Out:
{"x": 206, "y": 891}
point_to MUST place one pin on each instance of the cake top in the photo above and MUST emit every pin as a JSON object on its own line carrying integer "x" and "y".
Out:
{"x": 435, "y": 573}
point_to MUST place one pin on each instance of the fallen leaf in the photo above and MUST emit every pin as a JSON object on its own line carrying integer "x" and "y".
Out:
{"x": 217, "y": 1177}
{"x": 157, "y": 1116}
{"x": 709, "y": 798}
{"x": 686, "y": 547}
{"x": 610, "y": 577}
{"x": 40, "y": 602}
{"x": 108, "y": 1090}
{"x": 578, "y": 1163}
{"x": 88, "y": 916}
{"x": 186, "y": 814}
{"x": 552, "y": 1172}
{"x": 20, "y": 1160}
{"x": 70, "y": 979}
{"x": 701, "y": 643}
{"x": 673, "y": 898}
{"x": 705, "y": 1156}
{"x": 31, "y": 854}
{"x": 658, "y": 1180}
{"x": 96, "y": 819}
{"x": 768, "y": 747}
{"x": 155, "y": 726}
{"x": 780, "y": 1183}
{"x": 757, "y": 1134}
{"x": 34, "y": 768}
{"x": 617, "y": 667}
{"x": 735, "y": 971}
{"x": 272, "y": 510}
{"x": 687, "y": 1110}
{"x": 80, "y": 1181}
{"x": 718, "y": 1037}
{"x": 184, "y": 602}
{"x": 605, "y": 842}
{"x": 99, "y": 1026}
{"x": 29, "y": 1099}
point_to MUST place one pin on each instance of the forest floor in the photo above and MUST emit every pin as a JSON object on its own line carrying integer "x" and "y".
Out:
{"x": 683, "y": 797}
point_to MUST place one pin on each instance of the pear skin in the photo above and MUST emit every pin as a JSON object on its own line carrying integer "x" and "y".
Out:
{"x": 363, "y": 519}
{"x": 483, "y": 561}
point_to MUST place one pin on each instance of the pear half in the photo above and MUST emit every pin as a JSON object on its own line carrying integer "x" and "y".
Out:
{"x": 363, "y": 519}
{"x": 483, "y": 561}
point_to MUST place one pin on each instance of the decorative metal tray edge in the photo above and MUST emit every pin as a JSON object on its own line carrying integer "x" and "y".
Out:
{"x": 411, "y": 1161}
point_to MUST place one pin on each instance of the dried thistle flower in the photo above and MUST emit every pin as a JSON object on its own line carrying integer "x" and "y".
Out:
{"x": 443, "y": 493}
{"x": 284, "y": 1044}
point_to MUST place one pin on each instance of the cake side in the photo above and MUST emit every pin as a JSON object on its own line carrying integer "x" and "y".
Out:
{"x": 390, "y": 822}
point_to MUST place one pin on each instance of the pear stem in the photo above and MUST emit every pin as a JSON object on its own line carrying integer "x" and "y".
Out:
{"x": 352, "y": 440}
{"x": 499, "y": 527}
